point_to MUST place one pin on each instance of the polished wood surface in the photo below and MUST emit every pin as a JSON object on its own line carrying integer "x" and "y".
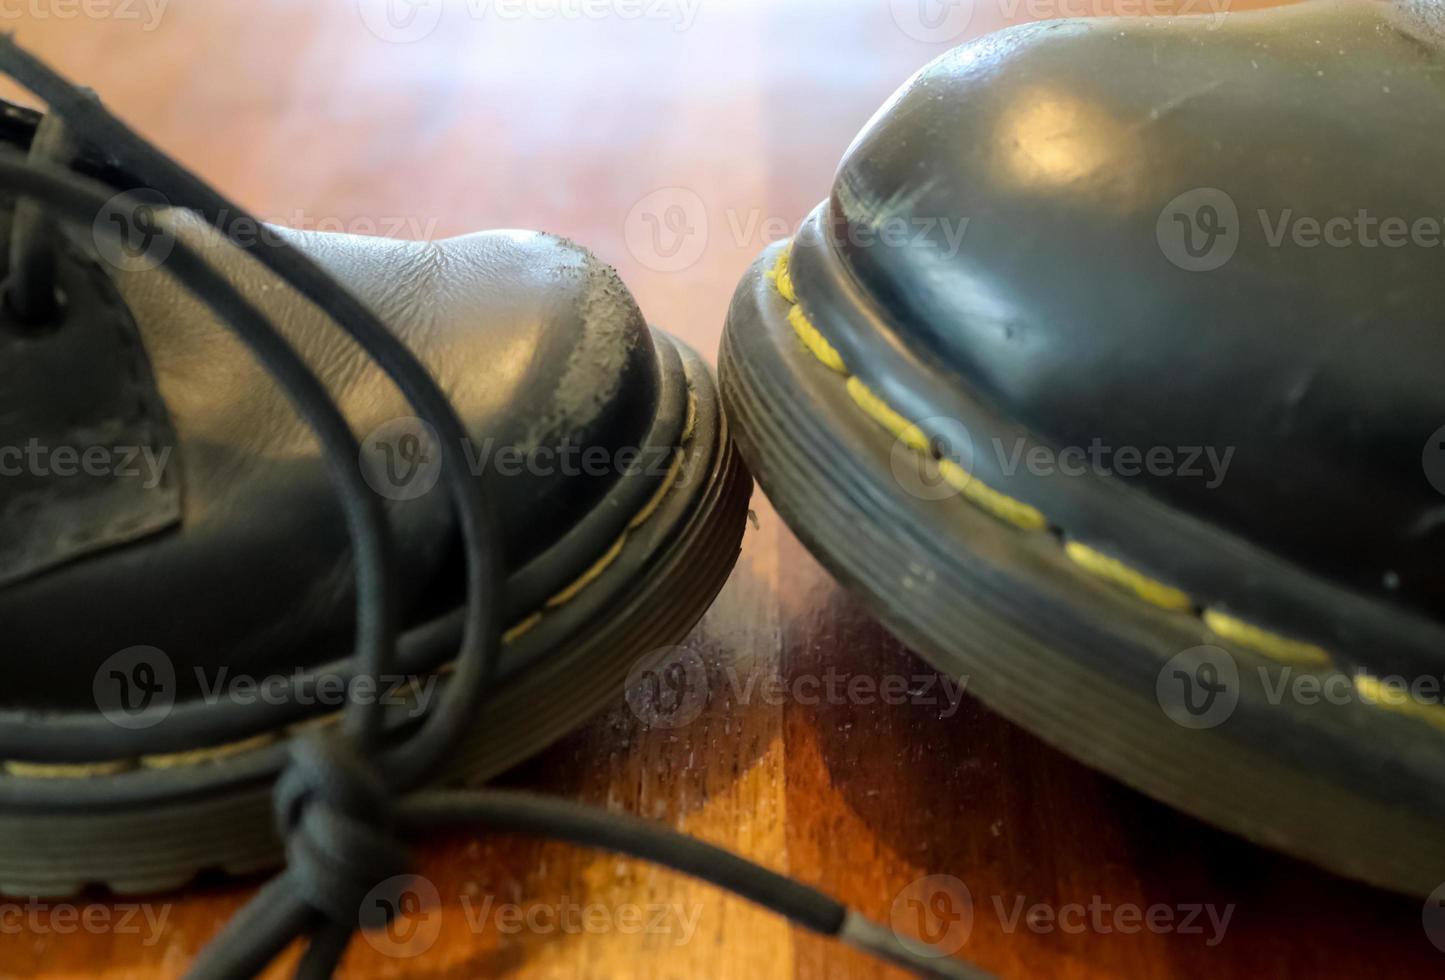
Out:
{"x": 677, "y": 147}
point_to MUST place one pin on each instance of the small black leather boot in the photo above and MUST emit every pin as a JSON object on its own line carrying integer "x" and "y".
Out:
{"x": 177, "y": 581}
{"x": 1110, "y": 376}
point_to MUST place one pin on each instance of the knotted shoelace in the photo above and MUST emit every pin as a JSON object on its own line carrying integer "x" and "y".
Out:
{"x": 348, "y": 798}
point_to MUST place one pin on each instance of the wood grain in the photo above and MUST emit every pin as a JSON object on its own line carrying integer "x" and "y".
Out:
{"x": 566, "y": 125}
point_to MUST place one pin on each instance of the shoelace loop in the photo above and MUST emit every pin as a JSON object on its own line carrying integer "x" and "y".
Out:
{"x": 338, "y": 821}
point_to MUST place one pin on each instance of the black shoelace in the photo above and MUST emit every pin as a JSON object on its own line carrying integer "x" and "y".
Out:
{"x": 348, "y": 798}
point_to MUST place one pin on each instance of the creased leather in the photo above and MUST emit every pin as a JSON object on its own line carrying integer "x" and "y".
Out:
{"x": 535, "y": 342}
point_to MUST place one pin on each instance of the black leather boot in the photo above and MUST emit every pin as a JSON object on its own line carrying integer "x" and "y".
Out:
{"x": 1105, "y": 376}
{"x": 176, "y": 575}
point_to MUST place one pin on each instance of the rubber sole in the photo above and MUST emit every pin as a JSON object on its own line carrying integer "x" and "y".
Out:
{"x": 648, "y": 594}
{"x": 1056, "y": 650}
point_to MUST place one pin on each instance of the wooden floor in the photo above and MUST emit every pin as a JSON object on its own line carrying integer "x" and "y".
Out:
{"x": 677, "y": 149}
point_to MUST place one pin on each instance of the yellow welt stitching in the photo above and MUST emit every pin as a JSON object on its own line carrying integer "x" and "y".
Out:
{"x": 1002, "y": 506}
{"x": 668, "y": 482}
{"x": 521, "y": 629}
{"x": 60, "y": 770}
{"x": 1272, "y": 645}
{"x": 588, "y": 577}
{"x": 882, "y": 413}
{"x": 176, "y": 760}
{"x": 83, "y": 770}
{"x": 782, "y": 275}
{"x": 812, "y": 338}
{"x": 1391, "y": 697}
{"x": 814, "y": 341}
{"x": 1025, "y": 516}
{"x": 691, "y": 426}
{"x": 1151, "y": 590}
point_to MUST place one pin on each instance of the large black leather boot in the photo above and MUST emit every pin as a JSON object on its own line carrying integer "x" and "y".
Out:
{"x": 1110, "y": 376}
